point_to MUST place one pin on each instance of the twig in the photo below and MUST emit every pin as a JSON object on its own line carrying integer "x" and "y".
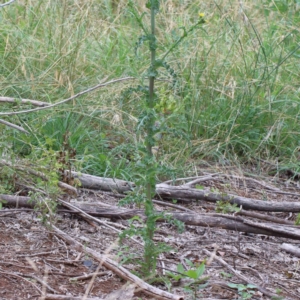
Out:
{"x": 23, "y": 101}
{"x": 69, "y": 205}
{"x": 117, "y": 269}
{"x": 200, "y": 178}
{"x": 7, "y": 3}
{"x": 263, "y": 217}
{"x": 260, "y": 182}
{"x": 237, "y": 274}
{"x": 44, "y": 283}
{"x": 88, "y": 276}
{"x": 21, "y": 276}
{"x": 63, "y": 297}
{"x": 14, "y": 126}
{"x": 66, "y": 100}
{"x": 162, "y": 203}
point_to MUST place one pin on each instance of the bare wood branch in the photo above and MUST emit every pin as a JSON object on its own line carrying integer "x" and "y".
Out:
{"x": 178, "y": 207}
{"x": 165, "y": 191}
{"x": 14, "y": 126}
{"x": 256, "y": 215}
{"x": 100, "y": 85}
{"x": 214, "y": 220}
{"x": 196, "y": 179}
{"x": 18, "y": 275}
{"x": 237, "y": 274}
{"x": 88, "y": 276}
{"x": 23, "y": 101}
{"x": 86, "y": 215}
{"x": 119, "y": 270}
{"x": 292, "y": 231}
{"x": 7, "y": 3}
{"x": 103, "y": 183}
{"x": 186, "y": 193}
{"x": 64, "y": 297}
{"x": 291, "y": 249}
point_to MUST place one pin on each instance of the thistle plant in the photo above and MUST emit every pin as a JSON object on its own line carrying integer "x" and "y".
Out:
{"x": 148, "y": 123}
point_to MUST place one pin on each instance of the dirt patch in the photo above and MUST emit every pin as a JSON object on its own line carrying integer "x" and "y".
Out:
{"x": 33, "y": 259}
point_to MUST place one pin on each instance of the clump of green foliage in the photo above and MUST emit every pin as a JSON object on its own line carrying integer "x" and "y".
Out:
{"x": 194, "y": 274}
{"x": 234, "y": 94}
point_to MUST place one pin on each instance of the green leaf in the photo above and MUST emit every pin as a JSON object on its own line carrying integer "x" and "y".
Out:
{"x": 226, "y": 275}
{"x": 176, "y": 277}
{"x": 189, "y": 262}
{"x": 200, "y": 270}
{"x": 233, "y": 285}
{"x": 199, "y": 187}
{"x": 202, "y": 286}
{"x": 251, "y": 286}
{"x": 241, "y": 287}
{"x": 192, "y": 274}
{"x": 180, "y": 268}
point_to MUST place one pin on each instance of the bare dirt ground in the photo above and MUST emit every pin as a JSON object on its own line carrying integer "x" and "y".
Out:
{"x": 34, "y": 260}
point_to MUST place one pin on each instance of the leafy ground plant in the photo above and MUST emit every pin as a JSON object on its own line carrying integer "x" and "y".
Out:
{"x": 245, "y": 291}
{"x": 194, "y": 274}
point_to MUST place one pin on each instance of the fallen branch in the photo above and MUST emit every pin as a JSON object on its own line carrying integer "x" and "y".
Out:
{"x": 259, "y": 216}
{"x": 66, "y": 100}
{"x": 23, "y": 101}
{"x": 7, "y": 3}
{"x": 119, "y": 270}
{"x": 240, "y": 276}
{"x": 63, "y": 297}
{"x": 103, "y": 183}
{"x": 14, "y": 126}
{"x": 186, "y": 193}
{"x": 213, "y": 220}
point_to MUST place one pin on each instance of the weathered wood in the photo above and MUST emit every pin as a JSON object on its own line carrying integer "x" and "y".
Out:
{"x": 103, "y": 183}
{"x": 23, "y": 101}
{"x": 117, "y": 269}
{"x": 291, "y": 249}
{"x": 214, "y": 220}
{"x": 186, "y": 193}
{"x": 64, "y": 297}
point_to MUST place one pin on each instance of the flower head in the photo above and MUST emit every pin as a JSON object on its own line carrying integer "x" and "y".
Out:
{"x": 201, "y": 15}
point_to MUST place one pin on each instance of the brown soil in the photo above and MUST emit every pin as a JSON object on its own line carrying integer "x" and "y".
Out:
{"x": 30, "y": 254}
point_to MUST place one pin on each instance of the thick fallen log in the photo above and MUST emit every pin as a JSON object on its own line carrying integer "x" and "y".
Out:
{"x": 214, "y": 220}
{"x": 186, "y": 193}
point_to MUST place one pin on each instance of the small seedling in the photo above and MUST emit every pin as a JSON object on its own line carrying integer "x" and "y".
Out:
{"x": 225, "y": 207}
{"x": 195, "y": 273}
{"x": 244, "y": 291}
